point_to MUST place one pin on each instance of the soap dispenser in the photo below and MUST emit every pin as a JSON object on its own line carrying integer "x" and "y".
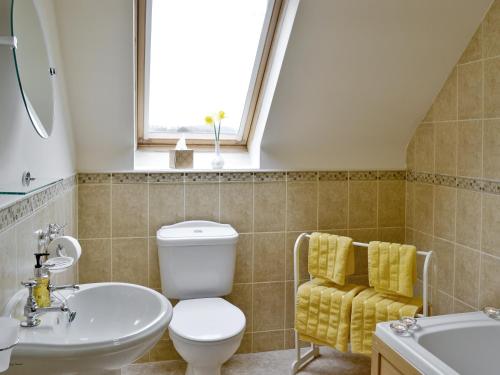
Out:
{"x": 41, "y": 291}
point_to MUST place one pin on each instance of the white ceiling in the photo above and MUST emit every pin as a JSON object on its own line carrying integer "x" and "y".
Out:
{"x": 357, "y": 78}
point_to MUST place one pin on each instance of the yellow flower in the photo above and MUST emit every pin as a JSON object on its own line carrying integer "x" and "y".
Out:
{"x": 209, "y": 120}
{"x": 221, "y": 115}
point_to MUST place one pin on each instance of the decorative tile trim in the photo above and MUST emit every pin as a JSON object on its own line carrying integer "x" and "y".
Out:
{"x": 94, "y": 178}
{"x": 129, "y": 178}
{"x": 392, "y": 175}
{"x": 411, "y": 176}
{"x": 445, "y": 180}
{"x": 202, "y": 177}
{"x": 156, "y": 178}
{"x": 492, "y": 187}
{"x": 425, "y": 178}
{"x": 302, "y": 176}
{"x": 333, "y": 176}
{"x": 29, "y": 204}
{"x": 236, "y": 176}
{"x": 363, "y": 175}
{"x": 270, "y": 176}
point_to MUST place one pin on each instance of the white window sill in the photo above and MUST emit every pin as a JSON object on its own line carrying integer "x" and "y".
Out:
{"x": 159, "y": 161}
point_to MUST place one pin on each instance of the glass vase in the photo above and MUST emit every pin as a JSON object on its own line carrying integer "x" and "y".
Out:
{"x": 218, "y": 160}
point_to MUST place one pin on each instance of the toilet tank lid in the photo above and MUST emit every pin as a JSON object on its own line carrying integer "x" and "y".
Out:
{"x": 196, "y": 232}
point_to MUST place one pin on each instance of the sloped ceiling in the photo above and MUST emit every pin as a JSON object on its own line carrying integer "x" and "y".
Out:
{"x": 358, "y": 77}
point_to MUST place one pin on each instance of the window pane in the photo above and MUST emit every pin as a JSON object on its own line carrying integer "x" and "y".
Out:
{"x": 202, "y": 55}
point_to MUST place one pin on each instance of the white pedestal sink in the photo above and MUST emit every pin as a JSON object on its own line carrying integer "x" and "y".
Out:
{"x": 115, "y": 324}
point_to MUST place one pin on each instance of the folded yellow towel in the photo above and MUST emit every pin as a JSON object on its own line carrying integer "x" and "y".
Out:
{"x": 369, "y": 308}
{"x": 392, "y": 268}
{"x": 330, "y": 257}
{"x": 323, "y": 312}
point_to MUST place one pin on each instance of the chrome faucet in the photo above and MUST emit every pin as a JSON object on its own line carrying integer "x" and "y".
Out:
{"x": 32, "y": 311}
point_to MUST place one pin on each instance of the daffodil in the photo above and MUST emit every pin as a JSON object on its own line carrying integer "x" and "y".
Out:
{"x": 221, "y": 115}
{"x": 209, "y": 120}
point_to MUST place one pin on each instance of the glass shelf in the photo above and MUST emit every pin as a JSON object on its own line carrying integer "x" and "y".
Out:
{"x": 19, "y": 189}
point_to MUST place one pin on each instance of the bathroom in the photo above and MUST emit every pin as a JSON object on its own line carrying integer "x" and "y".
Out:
{"x": 181, "y": 227}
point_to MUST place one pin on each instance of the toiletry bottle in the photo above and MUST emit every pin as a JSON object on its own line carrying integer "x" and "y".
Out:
{"x": 41, "y": 291}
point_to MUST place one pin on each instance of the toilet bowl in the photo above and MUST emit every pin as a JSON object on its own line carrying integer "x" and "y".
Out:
{"x": 206, "y": 332}
{"x": 197, "y": 262}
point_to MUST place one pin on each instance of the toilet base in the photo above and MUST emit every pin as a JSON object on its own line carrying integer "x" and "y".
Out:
{"x": 203, "y": 370}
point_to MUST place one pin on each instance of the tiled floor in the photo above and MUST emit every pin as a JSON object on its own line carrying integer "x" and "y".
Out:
{"x": 331, "y": 362}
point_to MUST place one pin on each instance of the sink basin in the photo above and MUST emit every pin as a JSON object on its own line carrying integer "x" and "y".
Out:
{"x": 115, "y": 324}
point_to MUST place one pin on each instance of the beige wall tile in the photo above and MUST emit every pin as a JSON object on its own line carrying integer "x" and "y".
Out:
{"x": 424, "y": 152}
{"x": 270, "y": 206}
{"x": 409, "y": 204}
{"x": 492, "y": 88}
{"x": 491, "y": 31}
{"x": 236, "y": 206}
{"x": 423, "y": 219}
{"x": 445, "y": 255}
{"x": 491, "y": 151}
{"x": 332, "y": 206}
{"x": 446, "y": 148}
{"x": 302, "y": 203}
{"x": 443, "y": 304}
{"x": 166, "y": 205}
{"x": 473, "y": 51}
{"x": 202, "y": 201}
{"x": 129, "y": 210}
{"x": 244, "y": 259}
{"x": 130, "y": 260}
{"x": 290, "y": 305}
{"x": 445, "y": 105}
{"x": 26, "y": 245}
{"x": 470, "y": 90}
{"x": 95, "y": 263}
{"x": 291, "y": 237}
{"x": 154, "y": 275}
{"x": 164, "y": 350}
{"x": 269, "y": 257}
{"x": 391, "y": 201}
{"x": 360, "y": 253}
{"x": 460, "y": 307}
{"x": 241, "y": 296}
{"x": 290, "y": 340}
{"x": 468, "y": 218}
{"x": 395, "y": 235}
{"x": 445, "y": 203}
{"x": 470, "y": 145}
{"x": 362, "y": 204}
{"x": 490, "y": 242}
{"x": 466, "y": 275}
{"x": 9, "y": 284}
{"x": 267, "y": 341}
{"x": 246, "y": 344}
{"x": 490, "y": 280}
{"x": 268, "y": 306}
{"x": 94, "y": 211}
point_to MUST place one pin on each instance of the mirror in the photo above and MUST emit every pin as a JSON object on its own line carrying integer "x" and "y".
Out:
{"x": 33, "y": 69}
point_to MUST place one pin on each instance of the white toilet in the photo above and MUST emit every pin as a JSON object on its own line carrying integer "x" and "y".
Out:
{"x": 197, "y": 261}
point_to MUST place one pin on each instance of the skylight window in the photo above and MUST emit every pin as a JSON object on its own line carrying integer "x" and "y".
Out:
{"x": 199, "y": 57}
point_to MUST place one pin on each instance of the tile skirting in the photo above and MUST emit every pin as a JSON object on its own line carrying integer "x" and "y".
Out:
{"x": 30, "y": 203}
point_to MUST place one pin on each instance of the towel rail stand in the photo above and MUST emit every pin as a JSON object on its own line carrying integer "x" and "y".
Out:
{"x": 313, "y": 352}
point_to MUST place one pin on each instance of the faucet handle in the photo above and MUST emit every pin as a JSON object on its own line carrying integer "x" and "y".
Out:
{"x": 30, "y": 284}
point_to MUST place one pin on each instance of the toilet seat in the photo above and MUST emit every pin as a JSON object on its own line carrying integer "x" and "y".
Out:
{"x": 206, "y": 320}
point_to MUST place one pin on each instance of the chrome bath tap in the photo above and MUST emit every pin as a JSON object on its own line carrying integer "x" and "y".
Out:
{"x": 32, "y": 311}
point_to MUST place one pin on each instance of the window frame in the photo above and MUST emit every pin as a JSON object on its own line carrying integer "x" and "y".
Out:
{"x": 251, "y": 106}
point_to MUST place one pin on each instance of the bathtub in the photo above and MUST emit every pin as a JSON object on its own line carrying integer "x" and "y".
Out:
{"x": 462, "y": 344}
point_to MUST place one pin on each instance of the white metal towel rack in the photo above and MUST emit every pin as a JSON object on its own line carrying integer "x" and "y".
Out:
{"x": 313, "y": 352}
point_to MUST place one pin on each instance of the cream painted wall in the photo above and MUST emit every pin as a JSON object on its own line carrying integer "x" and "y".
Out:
{"x": 97, "y": 45}
{"x": 358, "y": 77}
{"x": 20, "y": 147}
{"x": 356, "y": 80}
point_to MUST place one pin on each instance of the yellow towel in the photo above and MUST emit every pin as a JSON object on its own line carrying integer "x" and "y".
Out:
{"x": 392, "y": 268}
{"x": 330, "y": 257}
{"x": 323, "y": 312}
{"x": 369, "y": 308}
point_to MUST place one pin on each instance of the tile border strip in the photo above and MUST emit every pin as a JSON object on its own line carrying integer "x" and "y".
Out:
{"x": 465, "y": 183}
{"x": 30, "y": 203}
